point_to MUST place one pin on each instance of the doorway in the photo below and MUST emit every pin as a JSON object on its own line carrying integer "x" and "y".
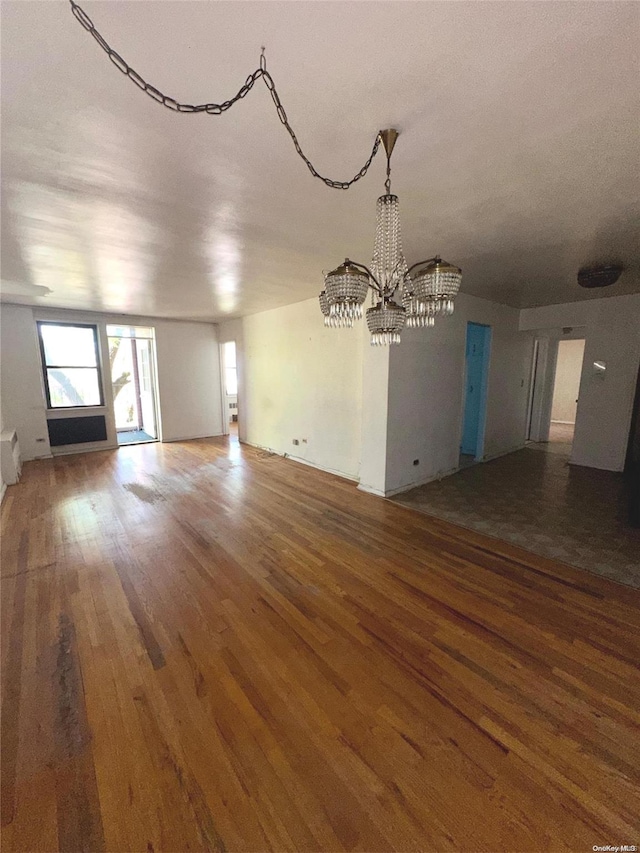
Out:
{"x": 632, "y": 462}
{"x": 477, "y": 356}
{"x": 133, "y": 380}
{"x": 566, "y": 387}
{"x": 230, "y": 387}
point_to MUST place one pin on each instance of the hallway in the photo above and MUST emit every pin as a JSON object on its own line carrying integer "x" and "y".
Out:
{"x": 533, "y": 498}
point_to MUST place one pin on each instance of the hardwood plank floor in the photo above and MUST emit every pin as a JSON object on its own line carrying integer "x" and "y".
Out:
{"x": 205, "y": 647}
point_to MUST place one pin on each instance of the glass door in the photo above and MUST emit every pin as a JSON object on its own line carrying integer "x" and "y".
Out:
{"x": 144, "y": 356}
{"x": 133, "y": 379}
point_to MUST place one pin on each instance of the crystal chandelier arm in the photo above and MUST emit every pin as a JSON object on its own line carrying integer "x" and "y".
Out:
{"x": 374, "y": 284}
{"x": 419, "y": 264}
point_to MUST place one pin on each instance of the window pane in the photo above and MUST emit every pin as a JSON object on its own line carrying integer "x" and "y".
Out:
{"x": 73, "y": 386}
{"x": 130, "y": 331}
{"x": 145, "y": 373}
{"x": 231, "y": 381}
{"x": 69, "y": 346}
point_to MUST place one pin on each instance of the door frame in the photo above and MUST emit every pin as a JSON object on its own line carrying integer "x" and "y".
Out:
{"x": 153, "y": 377}
{"x": 136, "y": 382}
{"x": 153, "y": 384}
{"x": 544, "y": 364}
{"x": 632, "y": 461}
{"x": 532, "y": 388}
{"x": 544, "y": 374}
{"x": 223, "y": 386}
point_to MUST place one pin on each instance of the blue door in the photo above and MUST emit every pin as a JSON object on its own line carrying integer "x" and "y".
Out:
{"x": 475, "y": 401}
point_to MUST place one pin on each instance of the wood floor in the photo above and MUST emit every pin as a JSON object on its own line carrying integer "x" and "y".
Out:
{"x": 209, "y": 648}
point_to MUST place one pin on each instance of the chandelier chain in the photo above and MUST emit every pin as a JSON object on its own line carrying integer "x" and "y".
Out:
{"x": 217, "y": 109}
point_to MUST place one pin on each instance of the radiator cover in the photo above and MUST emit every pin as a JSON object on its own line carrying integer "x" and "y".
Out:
{"x": 77, "y": 430}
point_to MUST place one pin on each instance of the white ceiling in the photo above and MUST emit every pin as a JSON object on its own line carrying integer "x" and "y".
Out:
{"x": 517, "y": 159}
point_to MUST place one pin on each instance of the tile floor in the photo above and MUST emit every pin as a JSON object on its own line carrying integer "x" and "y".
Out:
{"x": 535, "y": 499}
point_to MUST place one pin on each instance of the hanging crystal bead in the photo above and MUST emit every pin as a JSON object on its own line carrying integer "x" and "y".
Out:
{"x": 346, "y": 289}
{"x": 388, "y": 265}
{"x": 439, "y": 283}
{"x": 324, "y": 307}
{"x": 385, "y": 322}
{"x": 419, "y": 314}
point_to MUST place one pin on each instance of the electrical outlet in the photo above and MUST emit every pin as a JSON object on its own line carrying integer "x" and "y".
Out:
{"x": 296, "y": 441}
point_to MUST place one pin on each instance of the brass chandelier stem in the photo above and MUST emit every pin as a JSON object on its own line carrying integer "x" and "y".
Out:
{"x": 388, "y": 138}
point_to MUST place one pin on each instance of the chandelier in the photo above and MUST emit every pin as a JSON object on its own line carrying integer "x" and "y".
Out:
{"x": 402, "y": 296}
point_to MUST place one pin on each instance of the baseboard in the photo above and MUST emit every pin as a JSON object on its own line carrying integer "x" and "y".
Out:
{"x": 371, "y": 491}
{"x": 3, "y": 492}
{"x": 333, "y": 471}
{"x": 72, "y": 449}
{"x": 389, "y": 493}
{"x": 503, "y": 452}
{"x": 398, "y": 490}
{"x": 193, "y": 437}
{"x": 615, "y": 470}
{"x": 36, "y": 458}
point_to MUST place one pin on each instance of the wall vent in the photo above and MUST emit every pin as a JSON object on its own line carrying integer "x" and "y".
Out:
{"x": 76, "y": 430}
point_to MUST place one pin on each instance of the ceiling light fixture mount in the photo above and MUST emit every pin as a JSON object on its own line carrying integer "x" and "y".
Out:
{"x": 425, "y": 289}
{"x": 600, "y": 276}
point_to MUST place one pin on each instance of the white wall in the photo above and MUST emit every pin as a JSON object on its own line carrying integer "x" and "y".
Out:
{"x": 375, "y": 416}
{"x": 23, "y": 401}
{"x": 368, "y": 412}
{"x": 612, "y": 332}
{"x": 3, "y": 485}
{"x": 188, "y": 378}
{"x": 567, "y": 381}
{"x": 298, "y": 379}
{"x": 426, "y": 393}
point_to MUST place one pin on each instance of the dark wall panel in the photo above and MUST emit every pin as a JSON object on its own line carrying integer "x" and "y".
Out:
{"x": 77, "y": 430}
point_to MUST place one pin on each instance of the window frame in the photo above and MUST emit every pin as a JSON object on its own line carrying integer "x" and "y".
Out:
{"x": 45, "y": 366}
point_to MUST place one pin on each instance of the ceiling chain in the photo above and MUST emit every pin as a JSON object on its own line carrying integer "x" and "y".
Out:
{"x": 218, "y": 109}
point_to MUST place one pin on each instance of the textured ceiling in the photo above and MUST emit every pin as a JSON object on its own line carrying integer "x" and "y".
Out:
{"x": 517, "y": 159}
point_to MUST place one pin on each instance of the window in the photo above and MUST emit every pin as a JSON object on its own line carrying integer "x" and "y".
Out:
{"x": 70, "y": 364}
